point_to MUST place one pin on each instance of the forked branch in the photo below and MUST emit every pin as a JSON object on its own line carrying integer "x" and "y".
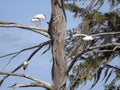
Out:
{"x": 39, "y": 83}
{"x": 29, "y": 58}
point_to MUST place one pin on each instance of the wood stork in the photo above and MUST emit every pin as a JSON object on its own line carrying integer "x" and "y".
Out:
{"x": 88, "y": 38}
{"x": 38, "y": 18}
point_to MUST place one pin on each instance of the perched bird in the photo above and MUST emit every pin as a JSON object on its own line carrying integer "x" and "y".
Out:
{"x": 25, "y": 64}
{"x": 38, "y": 18}
{"x": 88, "y": 38}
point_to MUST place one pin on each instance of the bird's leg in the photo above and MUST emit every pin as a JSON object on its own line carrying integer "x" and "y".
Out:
{"x": 37, "y": 24}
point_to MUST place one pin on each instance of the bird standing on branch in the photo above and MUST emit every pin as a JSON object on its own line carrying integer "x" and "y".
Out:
{"x": 25, "y": 64}
{"x": 38, "y": 18}
{"x": 88, "y": 38}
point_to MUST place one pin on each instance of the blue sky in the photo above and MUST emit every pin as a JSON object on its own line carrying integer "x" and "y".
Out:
{"x": 12, "y": 39}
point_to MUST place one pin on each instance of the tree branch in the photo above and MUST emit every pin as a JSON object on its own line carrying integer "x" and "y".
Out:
{"x": 32, "y": 84}
{"x": 29, "y": 58}
{"x": 107, "y": 45}
{"x": 107, "y": 33}
{"x": 18, "y": 52}
{"x": 39, "y": 82}
{"x": 39, "y": 30}
{"x": 116, "y": 68}
{"x": 102, "y": 51}
{"x": 87, "y": 50}
{"x": 94, "y": 35}
{"x": 44, "y": 32}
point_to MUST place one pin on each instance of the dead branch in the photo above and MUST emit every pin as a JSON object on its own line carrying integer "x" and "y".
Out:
{"x": 32, "y": 84}
{"x": 44, "y": 32}
{"x": 94, "y": 35}
{"x": 29, "y": 58}
{"x": 107, "y": 45}
{"x": 114, "y": 67}
{"x": 40, "y": 83}
{"x": 102, "y": 51}
{"x": 18, "y": 52}
{"x": 107, "y": 33}
{"x": 31, "y": 28}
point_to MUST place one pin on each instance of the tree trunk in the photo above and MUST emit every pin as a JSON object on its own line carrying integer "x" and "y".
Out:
{"x": 56, "y": 30}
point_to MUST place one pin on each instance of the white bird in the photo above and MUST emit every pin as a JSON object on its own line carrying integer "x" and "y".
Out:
{"x": 38, "y": 18}
{"x": 88, "y": 38}
{"x": 25, "y": 64}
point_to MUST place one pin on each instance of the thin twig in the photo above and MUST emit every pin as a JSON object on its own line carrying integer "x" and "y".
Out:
{"x": 18, "y": 52}
{"x": 108, "y": 65}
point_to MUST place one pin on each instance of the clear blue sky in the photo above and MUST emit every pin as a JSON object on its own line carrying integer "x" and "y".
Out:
{"x": 22, "y": 11}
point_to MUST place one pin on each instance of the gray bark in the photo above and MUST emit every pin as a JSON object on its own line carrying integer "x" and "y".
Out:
{"x": 56, "y": 30}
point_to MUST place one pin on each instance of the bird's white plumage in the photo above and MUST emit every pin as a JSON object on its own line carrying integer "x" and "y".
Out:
{"x": 25, "y": 64}
{"x": 88, "y": 38}
{"x": 38, "y": 18}
{"x": 35, "y": 20}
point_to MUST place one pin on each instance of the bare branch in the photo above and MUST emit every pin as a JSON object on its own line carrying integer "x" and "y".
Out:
{"x": 19, "y": 51}
{"x": 107, "y": 33}
{"x": 44, "y": 32}
{"x": 102, "y": 51}
{"x": 39, "y": 82}
{"x": 32, "y": 84}
{"x": 41, "y": 45}
{"x": 39, "y": 30}
{"x": 19, "y": 75}
{"x": 116, "y": 68}
{"x": 94, "y": 35}
{"x": 101, "y": 46}
{"x": 29, "y": 58}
